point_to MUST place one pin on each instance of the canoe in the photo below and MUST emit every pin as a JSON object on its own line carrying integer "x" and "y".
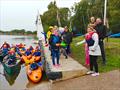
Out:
{"x": 11, "y": 78}
{"x": 10, "y": 69}
{"x": 34, "y": 75}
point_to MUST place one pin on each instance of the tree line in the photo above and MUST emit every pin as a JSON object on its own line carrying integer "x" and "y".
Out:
{"x": 18, "y": 32}
{"x": 82, "y": 13}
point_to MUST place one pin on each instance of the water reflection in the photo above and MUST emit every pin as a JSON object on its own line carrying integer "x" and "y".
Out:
{"x": 11, "y": 78}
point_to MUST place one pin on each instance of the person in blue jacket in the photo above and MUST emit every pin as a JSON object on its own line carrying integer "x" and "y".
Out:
{"x": 37, "y": 52}
{"x": 28, "y": 52}
{"x": 5, "y": 50}
{"x": 54, "y": 42}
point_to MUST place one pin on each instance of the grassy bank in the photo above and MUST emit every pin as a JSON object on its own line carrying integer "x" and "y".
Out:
{"x": 112, "y": 48}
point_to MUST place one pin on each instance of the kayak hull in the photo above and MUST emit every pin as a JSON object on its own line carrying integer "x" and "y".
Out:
{"x": 35, "y": 75}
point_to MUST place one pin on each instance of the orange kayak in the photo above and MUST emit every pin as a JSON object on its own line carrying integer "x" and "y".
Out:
{"x": 34, "y": 75}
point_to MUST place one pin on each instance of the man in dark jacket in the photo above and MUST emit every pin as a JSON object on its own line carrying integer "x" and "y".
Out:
{"x": 101, "y": 30}
{"x": 67, "y": 37}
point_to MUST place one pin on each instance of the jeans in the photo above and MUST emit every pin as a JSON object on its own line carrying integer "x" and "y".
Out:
{"x": 63, "y": 50}
{"x": 55, "y": 55}
{"x": 93, "y": 63}
{"x": 101, "y": 43}
{"x": 68, "y": 49}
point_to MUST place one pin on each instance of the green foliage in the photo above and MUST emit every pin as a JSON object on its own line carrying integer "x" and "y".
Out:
{"x": 114, "y": 9}
{"x": 49, "y": 18}
{"x": 87, "y": 8}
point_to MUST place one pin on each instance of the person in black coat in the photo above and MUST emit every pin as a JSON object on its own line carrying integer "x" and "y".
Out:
{"x": 101, "y": 30}
{"x": 67, "y": 37}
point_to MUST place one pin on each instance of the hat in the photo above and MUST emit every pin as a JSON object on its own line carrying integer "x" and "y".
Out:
{"x": 51, "y": 27}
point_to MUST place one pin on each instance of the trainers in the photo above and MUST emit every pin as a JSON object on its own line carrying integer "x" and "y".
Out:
{"x": 58, "y": 65}
{"x": 54, "y": 65}
{"x": 90, "y": 72}
{"x": 66, "y": 57}
{"x": 95, "y": 74}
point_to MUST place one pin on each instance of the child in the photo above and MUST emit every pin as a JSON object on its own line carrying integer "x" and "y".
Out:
{"x": 55, "y": 47}
{"x": 92, "y": 40}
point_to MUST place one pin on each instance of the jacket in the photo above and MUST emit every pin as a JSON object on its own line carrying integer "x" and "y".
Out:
{"x": 101, "y": 30}
{"x": 53, "y": 41}
{"x": 95, "y": 48}
{"x": 67, "y": 37}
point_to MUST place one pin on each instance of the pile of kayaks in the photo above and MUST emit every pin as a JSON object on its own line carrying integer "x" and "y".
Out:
{"x": 17, "y": 55}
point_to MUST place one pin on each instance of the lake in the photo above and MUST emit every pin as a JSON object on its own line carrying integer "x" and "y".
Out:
{"x": 19, "y": 81}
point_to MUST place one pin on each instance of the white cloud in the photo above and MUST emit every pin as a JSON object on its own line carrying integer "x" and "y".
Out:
{"x": 22, "y": 13}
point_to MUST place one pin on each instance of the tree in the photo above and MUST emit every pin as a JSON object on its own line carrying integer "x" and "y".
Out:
{"x": 87, "y": 8}
{"x": 49, "y": 18}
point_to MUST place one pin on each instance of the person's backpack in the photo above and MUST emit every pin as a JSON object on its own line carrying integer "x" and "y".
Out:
{"x": 89, "y": 39}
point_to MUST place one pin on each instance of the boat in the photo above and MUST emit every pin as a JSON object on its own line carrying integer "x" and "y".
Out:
{"x": 35, "y": 74}
{"x": 10, "y": 68}
{"x": 11, "y": 78}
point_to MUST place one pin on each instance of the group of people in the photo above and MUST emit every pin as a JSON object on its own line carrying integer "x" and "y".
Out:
{"x": 59, "y": 41}
{"x": 96, "y": 32}
{"x": 16, "y": 51}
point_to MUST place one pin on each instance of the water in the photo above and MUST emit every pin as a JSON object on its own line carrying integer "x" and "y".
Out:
{"x": 19, "y": 81}
{"x": 28, "y": 40}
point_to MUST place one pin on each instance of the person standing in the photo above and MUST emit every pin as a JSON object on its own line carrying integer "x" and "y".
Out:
{"x": 101, "y": 30}
{"x": 67, "y": 37}
{"x": 92, "y": 41}
{"x": 54, "y": 42}
{"x": 92, "y": 22}
{"x": 49, "y": 32}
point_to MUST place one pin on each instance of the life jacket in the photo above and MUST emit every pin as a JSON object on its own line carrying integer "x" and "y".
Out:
{"x": 27, "y": 53}
{"x": 11, "y": 61}
{"x": 55, "y": 39}
{"x": 88, "y": 38}
{"x": 37, "y": 53}
{"x": 5, "y": 51}
{"x": 33, "y": 66}
{"x": 49, "y": 34}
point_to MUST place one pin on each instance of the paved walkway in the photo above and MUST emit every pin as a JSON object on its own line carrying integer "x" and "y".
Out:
{"x": 106, "y": 81}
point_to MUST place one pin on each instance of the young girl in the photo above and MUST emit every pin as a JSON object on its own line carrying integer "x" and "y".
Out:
{"x": 54, "y": 42}
{"x": 91, "y": 38}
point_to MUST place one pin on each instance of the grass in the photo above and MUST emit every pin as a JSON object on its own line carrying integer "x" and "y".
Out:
{"x": 112, "y": 48}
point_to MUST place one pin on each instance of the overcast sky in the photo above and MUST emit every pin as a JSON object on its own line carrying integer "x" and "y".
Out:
{"x": 21, "y": 14}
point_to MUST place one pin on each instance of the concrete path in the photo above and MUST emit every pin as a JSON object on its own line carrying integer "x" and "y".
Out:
{"x": 105, "y": 81}
{"x": 69, "y": 68}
